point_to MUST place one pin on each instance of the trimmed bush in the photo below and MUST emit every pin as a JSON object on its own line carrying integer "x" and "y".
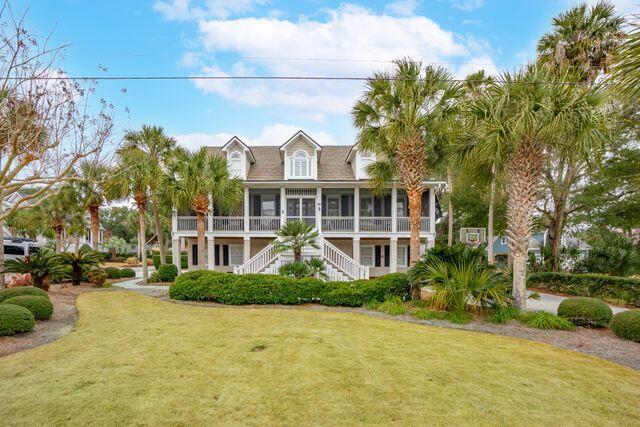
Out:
{"x": 203, "y": 285}
{"x": 589, "y": 285}
{"x": 15, "y": 319}
{"x": 167, "y": 273}
{"x": 112, "y": 272}
{"x": 22, "y": 290}
{"x": 97, "y": 277}
{"x": 584, "y": 311}
{"x": 41, "y": 307}
{"x": 127, "y": 272}
{"x": 626, "y": 325}
{"x": 169, "y": 258}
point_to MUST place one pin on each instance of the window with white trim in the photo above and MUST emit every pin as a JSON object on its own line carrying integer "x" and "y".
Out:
{"x": 235, "y": 165}
{"x": 300, "y": 164}
{"x": 503, "y": 240}
{"x": 365, "y": 160}
{"x": 366, "y": 256}
{"x": 473, "y": 237}
{"x": 235, "y": 255}
{"x": 403, "y": 256}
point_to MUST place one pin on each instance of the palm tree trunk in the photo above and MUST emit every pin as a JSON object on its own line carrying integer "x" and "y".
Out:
{"x": 415, "y": 206}
{"x": 450, "y": 207}
{"x": 94, "y": 212}
{"x": 141, "y": 243}
{"x": 58, "y": 232}
{"x": 492, "y": 202}
{"x": 3, "y": 283}
{"x": 201, "y": 240}
{"x": 159, "y": 235}
{"x": 524, "y": 173}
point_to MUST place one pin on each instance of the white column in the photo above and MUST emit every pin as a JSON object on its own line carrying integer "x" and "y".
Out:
{"x": 246, "y": 249}
{"x": 189, "y": 254}
{"x": 394, "y": 213}
{"x": 245, "y": 210}
{"x": 174, "y": 220}
{"x": 356, "y": 215}
{"x": 432, "y": 211}
{"x": 283, "y": 206}
{"x": 211, "y": 256}
{"x": 356, "y": 249}
{"x": 393, "y": 254}
{"x": 210, "y": 216}
{"x": 175, "y": 252}
{"x": 319, "y": 209}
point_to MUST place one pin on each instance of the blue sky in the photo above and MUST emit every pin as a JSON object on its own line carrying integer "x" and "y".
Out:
{"x": 253, "y": 37}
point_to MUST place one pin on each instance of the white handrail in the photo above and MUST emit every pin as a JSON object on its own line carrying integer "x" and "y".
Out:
{"x": 258, "y": 262}
{"x": 343, "y": 261}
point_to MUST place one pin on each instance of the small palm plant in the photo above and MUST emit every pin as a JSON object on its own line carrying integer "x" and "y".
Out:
{"x": 43, "y": 266}
{"x": 295, "y": 235}
{"x": 81, "y": 261}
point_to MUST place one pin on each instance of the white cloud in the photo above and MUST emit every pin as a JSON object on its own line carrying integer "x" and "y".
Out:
{"x": 402, "y": 7}
{"x": 623, "y": 7}
{"x": 182, "y": 10}
{"x": 467, "y": 5}
{"x": 355, "y": 40}
{"x": 275, "y": 134}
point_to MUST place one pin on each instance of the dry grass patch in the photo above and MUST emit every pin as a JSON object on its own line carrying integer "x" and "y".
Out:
{"x": 138, "y": 360}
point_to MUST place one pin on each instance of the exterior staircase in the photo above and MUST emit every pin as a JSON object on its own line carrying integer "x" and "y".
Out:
{"x": 339, "y": 267}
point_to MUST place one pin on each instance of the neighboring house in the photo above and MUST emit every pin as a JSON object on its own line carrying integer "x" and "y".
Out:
{"x": 326, "y": 186}
{"x": 473, "y": 236}
{"x": 501, "y": 244}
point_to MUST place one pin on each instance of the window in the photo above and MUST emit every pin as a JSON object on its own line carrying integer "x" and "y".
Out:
{"x": 300, "y": 164}
{"x": 473, "y": 237}
{"x": 366, "y": 256}
{"x": 401, "y": 206}
{"x": 235, "y": 164}
{"x": 403, "y": 258}
{"x": 366, "y": 206}
{"x": 333, "y": 205}
{"x": 365, "y": 160}
{"x": 503, "y": 240}
{"x": 235, "y": 255}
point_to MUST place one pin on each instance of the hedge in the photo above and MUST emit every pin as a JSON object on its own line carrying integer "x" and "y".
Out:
{"x": 169, "y": 260}
{"x": 127, "y": 272}
{"x": 112, "y": 272}
{"x": 589, "y": 285}
{"x": 15, "y": 319}
{"x": 626, "y": 324}
{"x": 225, "y": 288}
{"x": 167, "y": 273}
{"x": 40, "y": 307}
{"x": 22, "y": 290}
{"x": 584, "y": 311}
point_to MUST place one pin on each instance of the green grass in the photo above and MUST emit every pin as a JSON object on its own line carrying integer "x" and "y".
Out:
{"x": 137, "y": 360}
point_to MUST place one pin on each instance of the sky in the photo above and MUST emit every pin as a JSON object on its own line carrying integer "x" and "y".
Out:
{"x": 275, "y": 38}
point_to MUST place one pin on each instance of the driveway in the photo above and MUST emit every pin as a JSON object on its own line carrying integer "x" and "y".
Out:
{"x": 550, "y": 303}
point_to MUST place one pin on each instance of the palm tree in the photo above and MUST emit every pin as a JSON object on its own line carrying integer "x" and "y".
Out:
{"x": 199, "y": 181}
{"x": 626, "y": 73}
{"x": 83, "y": 259}
{"x": 295, "y": 235}
{"x": 43, "y": 266}
{"x": 156, "y": 146}
{"x": 91, "y": 193}
{"x": 527, "y": 116}
{"x": 583, "y": 39}
{"x": 61, "y": 213}
{"x": 399, "y": 117}
{"x": 132, "y": 179}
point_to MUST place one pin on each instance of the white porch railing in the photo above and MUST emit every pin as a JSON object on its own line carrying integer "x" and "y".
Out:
{"x": 342, "y": 261}
{"x": 264, "y": 223}
{"x": 188, "y": 223}
{"x": 403, "y": 224}
{"x": 380, "y": 223}
{"x": 258, "y": 262}
{"x": 228, "y": 223}
{"x": 311, "y": 220}
{"x": 337, "y": 223}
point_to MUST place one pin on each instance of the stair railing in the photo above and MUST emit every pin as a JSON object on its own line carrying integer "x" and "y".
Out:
{"x": 258, "y": 262}
{"x": 342, "y": 261}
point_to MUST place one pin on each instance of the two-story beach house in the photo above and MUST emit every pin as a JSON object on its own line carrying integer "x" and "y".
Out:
{"x": 360, "y": 235}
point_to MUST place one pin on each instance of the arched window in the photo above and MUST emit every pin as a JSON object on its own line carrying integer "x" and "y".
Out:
{"x": 300, "y": 164}
{"x": 235, "y": 164}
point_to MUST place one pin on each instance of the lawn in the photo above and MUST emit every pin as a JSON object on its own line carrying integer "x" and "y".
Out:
{"x": 137, "y": 360}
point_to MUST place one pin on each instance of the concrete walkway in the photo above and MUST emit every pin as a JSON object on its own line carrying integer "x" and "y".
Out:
{"x": 550, "y": 303}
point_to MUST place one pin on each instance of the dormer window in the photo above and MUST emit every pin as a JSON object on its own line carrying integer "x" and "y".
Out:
{"x": 300, "y": 164}
{"x": 235, "y": 165}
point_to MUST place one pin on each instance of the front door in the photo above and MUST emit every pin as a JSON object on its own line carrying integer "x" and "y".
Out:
{"x": 301, "y": 208}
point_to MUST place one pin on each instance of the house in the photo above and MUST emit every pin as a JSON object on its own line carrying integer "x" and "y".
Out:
{"x": 501, "y": 244}
{"x": 360, "y": 235}
{"x": 473, "y": 236}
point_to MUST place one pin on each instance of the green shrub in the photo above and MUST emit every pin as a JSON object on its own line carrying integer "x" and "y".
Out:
{"x": 426, "y": 314}
{"x": 167, "y": 273}
{"x": 97, "y": 277}
{"x": 626, "y": 324}
{"x": 22, "y": 290}
{"x": 544, "y": 320}
{"x": 169, "y": 260}
{"x": 40, "y": 306}
{"x": 296, "y": 270}
{"x": 584, "y": 311}
{"x": 589, "y": 285}
{"x": 203, "y": 285}
{"x": 393, "y": 306}
{"x": 112, "y": 272}
{"x": 15, "y": 319}
{"x": 127, "y": 272}
{"x": 502, "y": 315}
